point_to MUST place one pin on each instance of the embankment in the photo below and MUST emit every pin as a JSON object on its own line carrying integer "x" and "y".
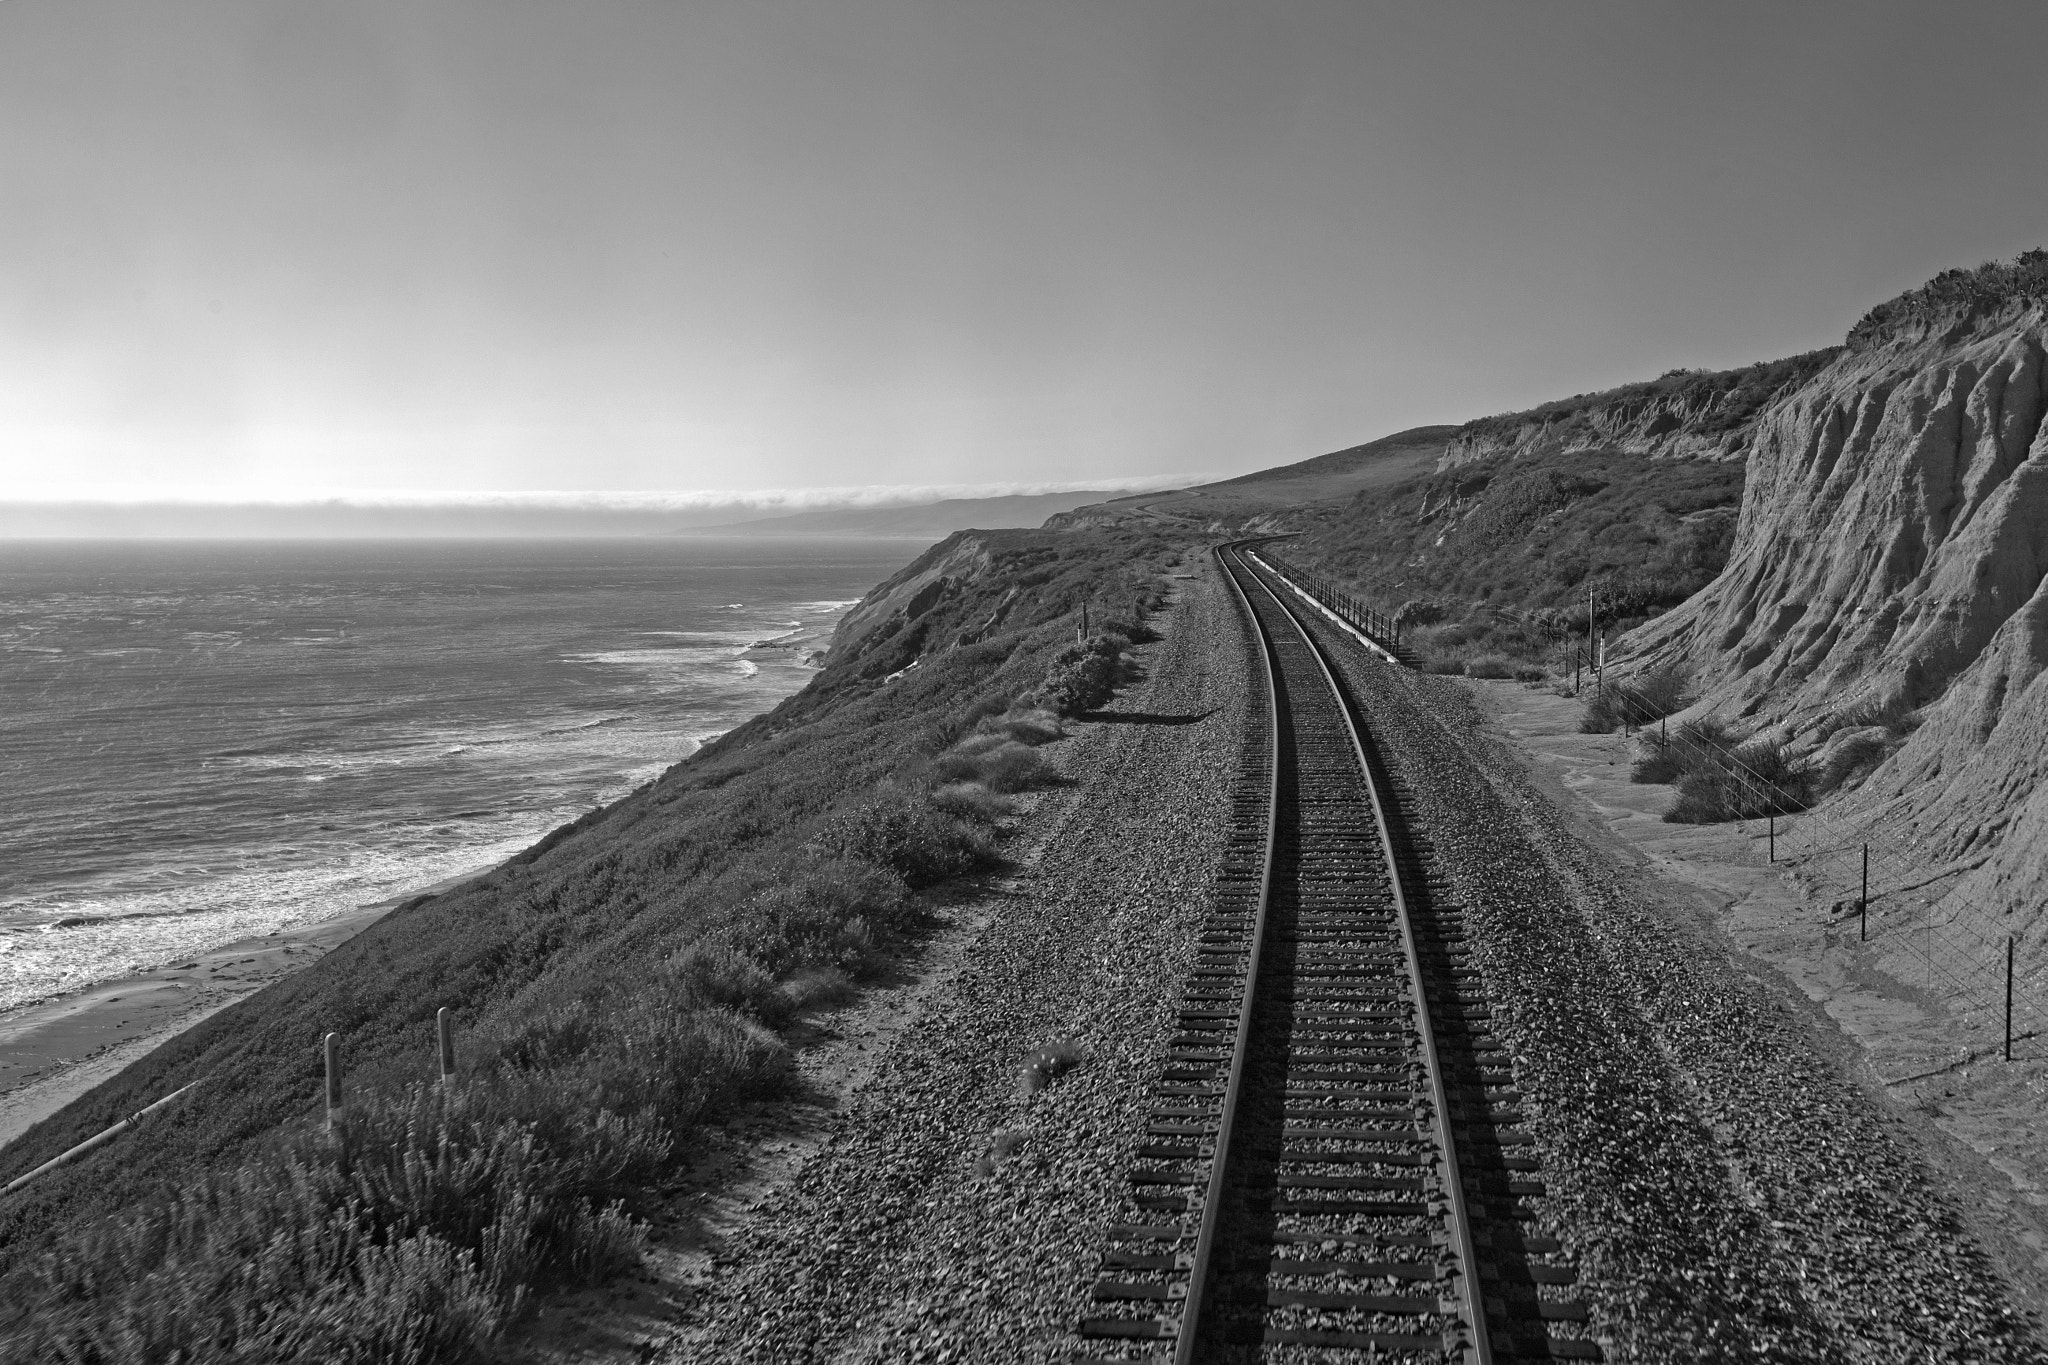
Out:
{"x": 614, "y": 985}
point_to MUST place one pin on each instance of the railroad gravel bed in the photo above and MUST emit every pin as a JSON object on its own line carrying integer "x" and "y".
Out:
{"x": 1727, "y": 1195}
{"x": 951, "y": 1215}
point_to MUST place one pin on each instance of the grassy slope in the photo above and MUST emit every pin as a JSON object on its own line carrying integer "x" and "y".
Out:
{"x": 1330, "y": 478}
{"x": 581, "y": 922}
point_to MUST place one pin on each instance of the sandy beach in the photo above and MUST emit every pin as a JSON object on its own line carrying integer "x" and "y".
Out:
{"x": 55, "y": 1051}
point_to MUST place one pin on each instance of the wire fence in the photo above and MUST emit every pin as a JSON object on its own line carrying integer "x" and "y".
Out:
{"x": 1878, "y": 879}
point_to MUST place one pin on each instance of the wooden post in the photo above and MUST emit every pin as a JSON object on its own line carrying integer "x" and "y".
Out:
{"x": 2008, "y": 997}
{"x": 333, "y": 1050}
{"x": 1084, "y": 622}
{"x": 1773, "y": 817}
{"x": 444, "y": 1027}
{"x": 1589, "y": 626}
{"x": 1863, "y": 901}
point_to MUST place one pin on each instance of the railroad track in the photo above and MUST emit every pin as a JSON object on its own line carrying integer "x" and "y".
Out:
{"x": 1331, "y": 1168}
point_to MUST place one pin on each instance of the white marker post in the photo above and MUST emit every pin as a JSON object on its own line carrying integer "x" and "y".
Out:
{"x": 333, "y": 1049}
{"x": 444, "y": 1026}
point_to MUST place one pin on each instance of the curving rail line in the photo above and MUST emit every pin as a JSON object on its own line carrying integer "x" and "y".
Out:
{"x": 1330, "y": 1169}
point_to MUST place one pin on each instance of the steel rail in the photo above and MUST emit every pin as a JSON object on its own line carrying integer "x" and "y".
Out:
{"x": 1479, "y": 1350}
{"x": 1188, "y": 1339}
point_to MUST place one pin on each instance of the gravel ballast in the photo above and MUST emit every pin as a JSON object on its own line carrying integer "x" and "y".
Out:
{"x": 1726, "y": 1193}
{"x": 952, "y": 1215}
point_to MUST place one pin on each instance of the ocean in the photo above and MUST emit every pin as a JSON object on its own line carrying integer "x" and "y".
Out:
{"x": 205, "y": 741}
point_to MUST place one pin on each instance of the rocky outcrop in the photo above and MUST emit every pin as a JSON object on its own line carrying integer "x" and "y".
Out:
{"x": 1892, "y": 525}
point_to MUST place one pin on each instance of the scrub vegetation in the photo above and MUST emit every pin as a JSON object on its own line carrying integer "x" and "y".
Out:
{"x": 625, "y": 980}
{"x": 1956, "y": 293}
{"x": 1491, "y": 564}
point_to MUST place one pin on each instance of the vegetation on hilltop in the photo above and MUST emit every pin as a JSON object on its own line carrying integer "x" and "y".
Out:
{"x": 1994, "y": 283}
{"x": 616, "y": 985}
{"x": 1705, "y": 402}
{"x": 1494, "y": 560}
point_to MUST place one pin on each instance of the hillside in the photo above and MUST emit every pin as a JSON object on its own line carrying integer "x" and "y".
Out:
{"x": 614, "y": 986}
{"x": 1885, "y": 583}
{"x": 1235, "y": 503}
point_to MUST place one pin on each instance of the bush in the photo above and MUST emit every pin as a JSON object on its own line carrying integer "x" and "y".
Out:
{"x": 996, "y": 762}
{"x": 1033, "y": 727}
{"x": 1083, "y": 676}
{"x": 1755, "y": 780}
{"x": 910, "y": 837}
{"x": 1856, "y": 756}
{"x": 414, "y": 1234}
{"x": 827, "y": 913}
{"x": 1697, "y": 744}
{"x": 972, "y": 802}
{"x": 1489, "y": 666}
{"x": 1640, "y": 701}
{"x": 815, "y": 990}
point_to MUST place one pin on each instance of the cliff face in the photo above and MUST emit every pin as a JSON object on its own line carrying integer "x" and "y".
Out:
{"x": 1891, "y": 530}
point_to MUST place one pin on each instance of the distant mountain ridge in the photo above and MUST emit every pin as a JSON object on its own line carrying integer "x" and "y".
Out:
{"x": 927, "y": 521}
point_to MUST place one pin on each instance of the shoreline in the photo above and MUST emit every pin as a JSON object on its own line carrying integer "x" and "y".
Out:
{"x": 55, "y": 1051}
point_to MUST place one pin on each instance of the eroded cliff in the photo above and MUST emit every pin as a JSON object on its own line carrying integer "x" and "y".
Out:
{"x": 1889, "y": 561}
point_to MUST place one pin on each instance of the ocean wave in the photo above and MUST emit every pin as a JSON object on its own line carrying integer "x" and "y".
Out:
{"x": 92, "y": 940}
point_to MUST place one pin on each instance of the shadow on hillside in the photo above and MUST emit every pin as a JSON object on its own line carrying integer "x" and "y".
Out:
{"x": 1144, "y": 717}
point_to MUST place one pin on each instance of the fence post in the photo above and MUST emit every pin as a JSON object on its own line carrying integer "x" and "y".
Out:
{"x": 1863, "y": 901}
{"x": 2008, "y": 997}
{"x": 1773, "y": 817}
{"x": 333, "y": 1051}
{"x": 444, "y": 1027}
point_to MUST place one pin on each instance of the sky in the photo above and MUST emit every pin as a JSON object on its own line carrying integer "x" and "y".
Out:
{"x": 269, "y": 250}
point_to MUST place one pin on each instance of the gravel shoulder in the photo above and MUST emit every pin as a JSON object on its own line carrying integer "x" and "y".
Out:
{"x": 1727, "y": 1191}
{"x": 918, "y": 1204}
{"x": 1977, "y": 1123}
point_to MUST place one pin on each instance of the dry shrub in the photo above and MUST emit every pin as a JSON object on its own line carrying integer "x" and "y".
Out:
{"x": 908, "y": 836}
{"x": 995, "y": 761}
{"x": 416, "y": 1234}
{"x": 1083, "y": 676}
{"x": 1489, "y": 666}
{"x": 1651, "y": 697}
{"x": 830, "y": 913}
{"x": 1855, "y": 757}
{"x": 819, "y": 989}
{"x": 1755, "y": 779}
{"x": 1034, "y": 726}
{"x": 973, "y": 802}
